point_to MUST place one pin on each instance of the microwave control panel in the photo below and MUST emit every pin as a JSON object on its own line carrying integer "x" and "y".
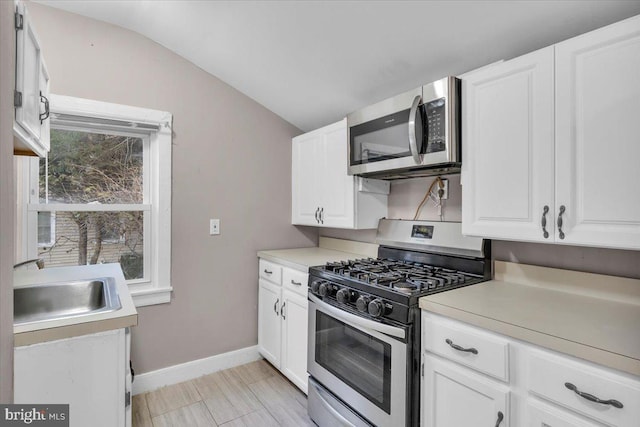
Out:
{"x": 435, "y": 112}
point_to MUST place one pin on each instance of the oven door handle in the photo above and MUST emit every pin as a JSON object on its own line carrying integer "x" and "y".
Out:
{"x": 337, "y": 415}
{"x": 357, "y": 320}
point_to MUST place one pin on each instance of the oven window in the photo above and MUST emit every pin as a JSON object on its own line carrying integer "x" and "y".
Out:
{"x": 361, "y": 361}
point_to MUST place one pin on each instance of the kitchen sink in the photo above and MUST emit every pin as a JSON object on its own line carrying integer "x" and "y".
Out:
{"x": 62, "y": 300}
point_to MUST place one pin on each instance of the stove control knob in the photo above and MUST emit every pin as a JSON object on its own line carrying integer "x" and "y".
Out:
{"x": 376, "y": 308}
{"x": 324, "y": 289}
{"x": 343, "y": 296}
{"x": 315, "y": 286}
{"x": 363, "y": 303}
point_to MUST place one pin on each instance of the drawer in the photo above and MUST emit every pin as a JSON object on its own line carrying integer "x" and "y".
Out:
{"x": 271, "y": 272}
{"x": 469, "y": 346}
{"x": 295, "y": 280}
{"x": 551, "y": 376}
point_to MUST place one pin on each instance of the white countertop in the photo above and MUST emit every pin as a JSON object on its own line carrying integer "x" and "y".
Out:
{"x": 303, "y": 258}
{"x": 575, "y": 315}
{"x": 329, "y": 250}
{"x": 55, "y": 329}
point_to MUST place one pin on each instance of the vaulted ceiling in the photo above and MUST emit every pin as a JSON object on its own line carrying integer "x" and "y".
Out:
{"x": 313, "y": 62}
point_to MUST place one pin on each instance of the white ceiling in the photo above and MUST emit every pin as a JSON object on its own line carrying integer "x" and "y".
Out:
{"x": 313, "y": 62}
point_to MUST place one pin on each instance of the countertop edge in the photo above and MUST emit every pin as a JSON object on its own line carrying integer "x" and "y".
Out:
{"x": 283, "y": 261}
{"x": 562, "y": 345}
{"x": 22, "y": 339}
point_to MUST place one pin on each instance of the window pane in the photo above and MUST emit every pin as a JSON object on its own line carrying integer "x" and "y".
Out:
{"x": 98, "y": 237}
{"x": 84, "y": 167}
{"x": 45, "y": 228}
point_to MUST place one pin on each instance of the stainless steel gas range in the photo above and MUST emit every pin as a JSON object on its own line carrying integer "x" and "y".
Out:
{"x": 364, "y": 321}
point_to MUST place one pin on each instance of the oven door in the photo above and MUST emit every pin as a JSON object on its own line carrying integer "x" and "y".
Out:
{"x": 361, "y": 361}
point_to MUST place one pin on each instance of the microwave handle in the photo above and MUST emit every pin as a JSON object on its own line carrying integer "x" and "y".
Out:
{"x": 413, "y": 143}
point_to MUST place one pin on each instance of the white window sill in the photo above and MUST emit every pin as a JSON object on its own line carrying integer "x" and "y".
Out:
{"x": 145, "y": 297}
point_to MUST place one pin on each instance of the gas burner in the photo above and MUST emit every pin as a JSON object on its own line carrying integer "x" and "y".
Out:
{"x": 407, "y": 277}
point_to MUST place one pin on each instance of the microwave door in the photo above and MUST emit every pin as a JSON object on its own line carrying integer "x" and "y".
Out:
{"x": 380, "y": 142}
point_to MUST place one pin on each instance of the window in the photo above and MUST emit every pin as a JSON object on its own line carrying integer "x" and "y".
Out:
{"x": 103, "y": 193}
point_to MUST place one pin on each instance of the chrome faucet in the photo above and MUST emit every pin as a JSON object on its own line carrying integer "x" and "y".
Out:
{"x": 37, "y": 261}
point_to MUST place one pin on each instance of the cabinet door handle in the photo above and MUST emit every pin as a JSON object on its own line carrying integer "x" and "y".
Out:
{"x": 545, "y": 211}
{"x": 284, "y": 317}
{"x": 592, "y": 398}
{"x": 560, "y": 232}
{"x": 267, "y": 271}
{"x": 293, "y": 282}
{"x": 44, "y": 116}
{"x": 500, "y": 418}
{"x": 457, "y": 347}
{"x": 321, "y": 215}
{"x": 275, "y": 306}
{"x": 317, "y": 213}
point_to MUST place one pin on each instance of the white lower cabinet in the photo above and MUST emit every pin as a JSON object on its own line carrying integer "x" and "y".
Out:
{"x": 90, "y": 373}
{"x": 544, "y": 388}
{"x": 269, "y": 330}
{"x": 294, "y": 338}
{"x": 282, "y": 321}
{"x": 455, "y": 396}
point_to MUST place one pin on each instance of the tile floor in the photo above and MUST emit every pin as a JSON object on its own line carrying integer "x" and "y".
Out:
{"x": 255, "y": 394}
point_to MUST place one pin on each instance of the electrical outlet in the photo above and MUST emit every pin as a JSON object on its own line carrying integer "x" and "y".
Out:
{"x": 214, "y": 227}
{"x": 445, "y": 189}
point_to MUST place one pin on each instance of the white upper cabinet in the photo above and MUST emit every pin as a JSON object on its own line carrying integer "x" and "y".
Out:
{"x": 551, "y": 143}
{"x": 508, "y": 148}
{"x": 31, "y": 97}
{"x": 323, "y": 194}
{"x": 598, "y": 136}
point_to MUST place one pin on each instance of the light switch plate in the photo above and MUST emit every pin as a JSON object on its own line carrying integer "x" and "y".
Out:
{"x": 214, "y": 227}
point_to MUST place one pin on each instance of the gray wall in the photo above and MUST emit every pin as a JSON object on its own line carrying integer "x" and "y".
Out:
{"x": 231, "y": 160}
{"x": 406, "y": 195}
{"x": 7, "y": 66}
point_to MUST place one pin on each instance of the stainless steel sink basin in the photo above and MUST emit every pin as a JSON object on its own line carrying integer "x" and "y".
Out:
{"x": 35, "y": 303}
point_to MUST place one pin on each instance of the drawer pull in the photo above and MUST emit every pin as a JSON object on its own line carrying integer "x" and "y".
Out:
{"x": 267, "y": 271}
{"x": 457, "y": 347}
{"x": 293, "y": 282}
{"x": 592, "y": 398}
{"x": 500, "y": 418}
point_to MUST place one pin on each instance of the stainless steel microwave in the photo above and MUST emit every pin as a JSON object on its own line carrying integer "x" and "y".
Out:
{"x": 416, "y": 133}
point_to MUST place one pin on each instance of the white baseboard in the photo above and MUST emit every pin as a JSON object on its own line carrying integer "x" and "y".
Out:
{"x": 196, "y": 368}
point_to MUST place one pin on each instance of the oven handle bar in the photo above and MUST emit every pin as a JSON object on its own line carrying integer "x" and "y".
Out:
{"x": 337, "y": 415}
{"x": 357, "y": 320}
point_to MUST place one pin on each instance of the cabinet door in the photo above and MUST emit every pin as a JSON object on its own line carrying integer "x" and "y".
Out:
{"x": 336, "y": 185}
{"x": 507, "y": 176}
{"x": 453, "y": 396}
{"x": 597, "y": 128}
{"x": 269, "y": 328}
{"x": 44, "y": 107}
{"x": 28, "y": 67}
{"x": 542, "y": 415}
{"x": 305, "y": 169}
{"x": 86, "y": 372}
{"x": 294, "y": 338}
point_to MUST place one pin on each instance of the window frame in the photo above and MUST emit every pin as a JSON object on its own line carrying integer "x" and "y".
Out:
{"x": 155, "y": 287}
